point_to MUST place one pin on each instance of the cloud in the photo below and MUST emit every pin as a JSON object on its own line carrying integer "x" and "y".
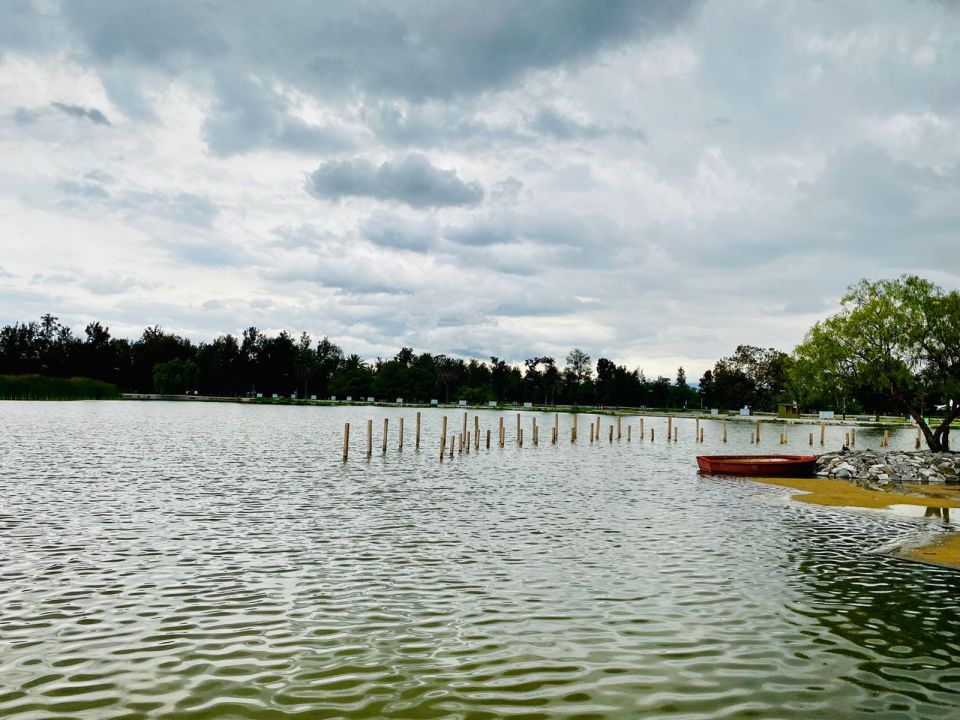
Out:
{"x": 551, "y": 122}
{"x": 186, "y": 208}
{"x": 413, "y": 180}
{"x": 249, "y": 116}
{"x": 91, "y": 114}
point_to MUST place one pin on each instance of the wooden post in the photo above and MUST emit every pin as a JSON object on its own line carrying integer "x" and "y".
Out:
{"x": 556, "y": 435}
{"x": 597, "y": 434}
{"x": 669, "y": 426}
{"x": 346, "y": 440}
{"x": 464, "y": 431}
{"x": 785, "y": 434}
{"x": 476, "y": 432}
{"x": 519, "y": 436}
{"x": 533, "y": 430}
{"x": 591, "y": 432}
{"x": 651, "y": 434}
{"x": 846, "y": 439}
{"x": 500, "y": 434}
{"x": 853, "y": 437}
{"x": 696, "y": 428}
{"x": 675, "y": 434}
{"x": 611, "y": 433}
{"x": 443, "y": 437}
{"x": 518, "y": 427}
{"x": 573, "y": 429}
{"x": 758, "y": 431}
{"x": 724, "y": 430}
{"x": 466, "y": 447}
{"x": 400, "y": 446}
{"x": 369, "y": 438}
{"x": 556, "y": 426}
{"x": 488, "y": 438}
{"x": 701, "y": 434}
{"x": 453, "y": 442}
{"x": 918, "y": 439}
{"x": 641, "y": 428}
{"x": 629, "y": 428}
{"x": 417, "y": 442}
{"x": 823, "y": 432}
{"x": 811, "y": 439}
{"x": 618, "y": 428}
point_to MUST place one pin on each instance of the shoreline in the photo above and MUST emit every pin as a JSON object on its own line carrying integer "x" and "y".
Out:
{"x": 766, "y": 418}
{"x": 943, "y": 550}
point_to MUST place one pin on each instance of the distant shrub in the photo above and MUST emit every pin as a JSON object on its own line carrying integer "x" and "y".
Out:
{"x": 41, "y": 387}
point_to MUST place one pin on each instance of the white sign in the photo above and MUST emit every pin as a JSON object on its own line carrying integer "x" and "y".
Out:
{"x": 745, "y": 410}
{"x": 259, "y": 395}
{"x": 399, "y": 401}
{"x": 274, "y": 395}
{"x": 313, "y": 397}
{"x": 492, "y": 403}
{"x": 528, "y": 405}
{"x": 369, "y": 399}
{"x": 714, "y": 411}
{"x": 826, "y": 414}
{"x": 349, "y": 398}
{"x": 434, "y": 402}
{"x": 333, "y": 398}
{"x": 463, "y": 403}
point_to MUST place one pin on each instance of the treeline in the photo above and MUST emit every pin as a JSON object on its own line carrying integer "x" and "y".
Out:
{"x": 285, "y": 364}
{"x": 41, "y": 387}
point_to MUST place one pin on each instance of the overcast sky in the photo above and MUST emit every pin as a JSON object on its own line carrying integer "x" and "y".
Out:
{"x": 655, "y": 182}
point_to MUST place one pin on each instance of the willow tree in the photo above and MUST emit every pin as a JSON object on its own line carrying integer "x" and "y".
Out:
{"x": 899, "y": 337}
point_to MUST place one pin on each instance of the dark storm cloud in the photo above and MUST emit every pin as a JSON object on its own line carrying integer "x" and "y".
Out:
{"x": 445, "y": 50}
{"x": 91, "y": 114}
{"x": 412, "y": 180}
{"x": 414, "y": 50}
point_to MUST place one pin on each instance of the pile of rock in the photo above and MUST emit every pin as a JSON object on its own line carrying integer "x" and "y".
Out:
{"x": 880, "y": 470}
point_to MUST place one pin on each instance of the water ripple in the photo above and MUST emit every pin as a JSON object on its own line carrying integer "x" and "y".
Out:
{"x": 186, "y": 561}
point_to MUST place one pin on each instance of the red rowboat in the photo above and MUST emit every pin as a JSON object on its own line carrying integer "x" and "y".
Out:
{"x": 759, "y": 465}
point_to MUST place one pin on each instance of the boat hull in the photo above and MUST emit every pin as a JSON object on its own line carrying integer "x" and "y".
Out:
{"x": 759, "y": 465}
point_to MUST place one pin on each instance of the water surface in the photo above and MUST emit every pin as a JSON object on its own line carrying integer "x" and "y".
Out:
{"x": 188, "y": 560}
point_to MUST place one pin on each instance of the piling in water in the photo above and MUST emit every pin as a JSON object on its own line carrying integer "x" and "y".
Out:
{"x": 443, "y": 436}
{"x": 400, "y": 444}
{"x": 369, "y": 438}
{"x": 417, "y": 443}
{"x": 346, "y": 440}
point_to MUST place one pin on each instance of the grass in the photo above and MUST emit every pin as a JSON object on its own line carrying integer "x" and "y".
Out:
{"x": 41, "y": 387}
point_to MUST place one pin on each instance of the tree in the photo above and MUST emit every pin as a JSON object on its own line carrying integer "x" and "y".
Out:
{"x": 899, "y": 337}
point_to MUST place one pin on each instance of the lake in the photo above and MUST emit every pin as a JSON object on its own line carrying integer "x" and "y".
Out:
{"x": 197, "y": 560}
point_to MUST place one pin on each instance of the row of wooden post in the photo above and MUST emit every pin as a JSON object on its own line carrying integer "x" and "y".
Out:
{"x": 464, "y": 440}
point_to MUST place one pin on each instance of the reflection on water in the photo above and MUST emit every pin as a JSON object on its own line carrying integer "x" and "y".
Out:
{"x": 198, "y": 561}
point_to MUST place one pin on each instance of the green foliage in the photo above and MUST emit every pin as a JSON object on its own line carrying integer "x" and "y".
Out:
{"x": 898, "y": 338}
{"x": 752, "y": 376}
{"x": 40, "y": 387}
{"x": 175, "y": 377}
{"x": 284, "y": 364}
